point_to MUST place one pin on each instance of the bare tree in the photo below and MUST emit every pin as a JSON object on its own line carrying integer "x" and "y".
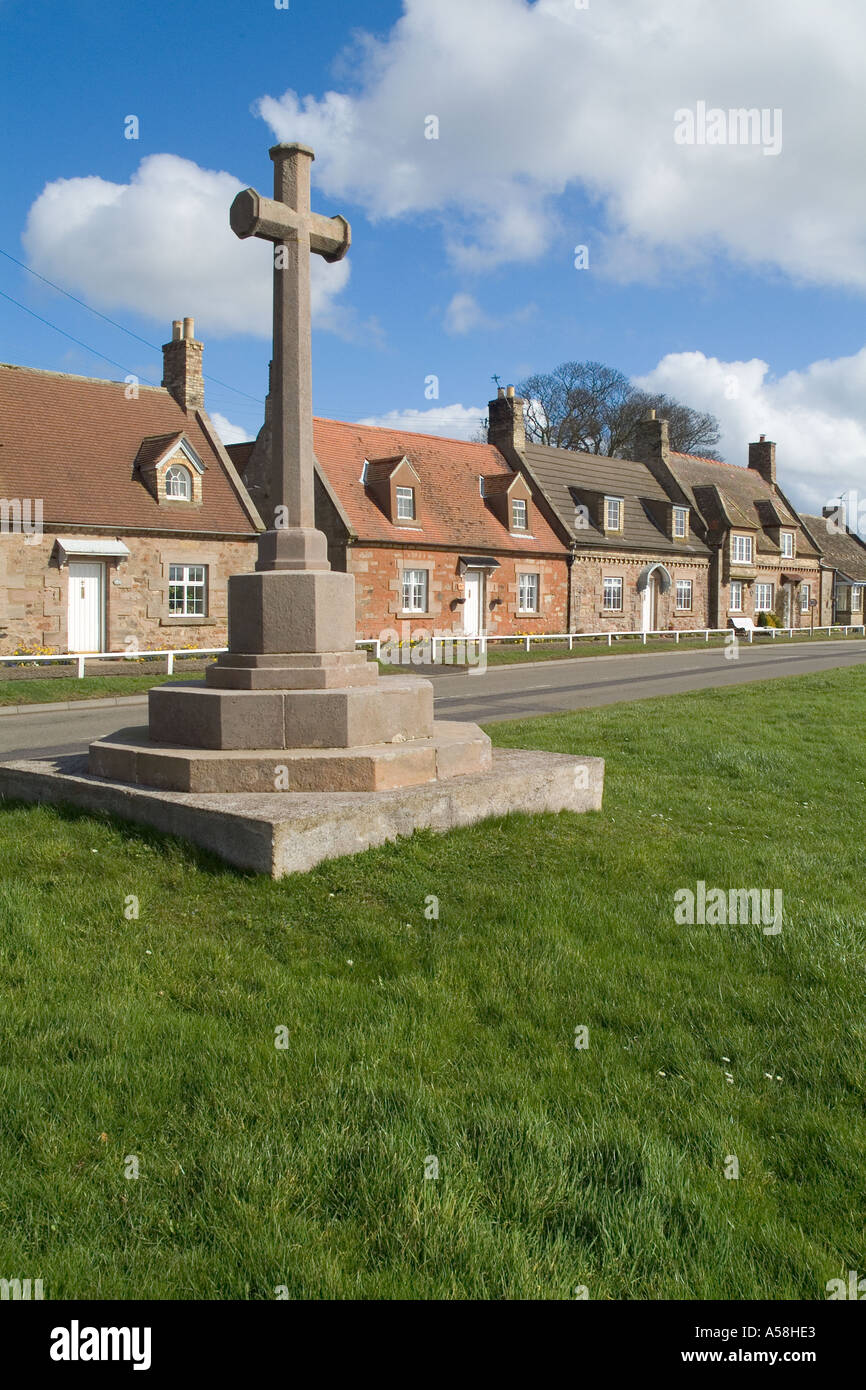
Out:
{"x": 594, "y": 408}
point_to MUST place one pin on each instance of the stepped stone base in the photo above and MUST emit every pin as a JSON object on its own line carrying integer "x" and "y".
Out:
{"x": 393, "y": 710}
{"x": 279, "y": 835}
{"x": 453, "y": 750}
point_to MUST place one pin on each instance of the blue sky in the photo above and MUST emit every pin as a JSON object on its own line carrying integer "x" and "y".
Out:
{"x": 707, "y": 266}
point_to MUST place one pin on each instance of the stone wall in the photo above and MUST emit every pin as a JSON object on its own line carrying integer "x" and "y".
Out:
{"x": 588, "y": 613}
{"x": 34, "y": 591}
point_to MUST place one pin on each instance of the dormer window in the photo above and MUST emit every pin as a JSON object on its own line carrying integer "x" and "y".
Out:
{"x": 681, "y": 523}
{"x": 613, "y": 513}
{"x": 405, "y": 504}
{"x": 787, "y": 545}
{"x": 178, "y": 483}
{"x": 518, "y": 514}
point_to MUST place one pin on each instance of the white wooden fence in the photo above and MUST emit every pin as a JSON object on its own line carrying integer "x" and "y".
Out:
{"x": 81, "y": 658}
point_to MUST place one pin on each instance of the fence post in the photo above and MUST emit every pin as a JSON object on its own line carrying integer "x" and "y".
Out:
{"x": 81, "y": 668}
{"x": 570, "y": 642}
{"x": 751, "y": 634}
{"x": 644, "y": 638}
{"x": 169, "y": 664}
{"x": 527, "y": 643}
{"x": 707, "y": 635}
{"x": 610, "y": 639}
{"x": 676, "y": 638}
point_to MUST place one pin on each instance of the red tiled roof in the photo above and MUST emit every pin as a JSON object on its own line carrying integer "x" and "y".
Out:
{"x": 73, "y": 442}
{"x": 450, "y": 508}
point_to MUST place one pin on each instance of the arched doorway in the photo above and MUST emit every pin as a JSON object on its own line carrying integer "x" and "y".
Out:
{"x": 653, "y": 580}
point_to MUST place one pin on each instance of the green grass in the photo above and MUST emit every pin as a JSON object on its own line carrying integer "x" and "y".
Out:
{"x": 559, "y": 1167}
{"x": 40, "y": 692}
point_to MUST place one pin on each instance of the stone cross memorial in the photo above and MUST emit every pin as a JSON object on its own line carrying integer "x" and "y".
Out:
{"x": 293, "y": 705}
{"x": 294, "y": 749}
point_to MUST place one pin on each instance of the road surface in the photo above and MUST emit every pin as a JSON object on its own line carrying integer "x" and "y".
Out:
{"x": 503, "y": 692}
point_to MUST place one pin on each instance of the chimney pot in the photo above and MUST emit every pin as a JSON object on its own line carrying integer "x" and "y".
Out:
{"x": 763, "y": 437}
{"x": 182, "y": 373}
{"x": 509, "y": 393}
{"x": 501, "y": 393}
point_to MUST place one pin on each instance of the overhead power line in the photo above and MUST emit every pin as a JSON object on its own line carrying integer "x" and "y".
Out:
{"x": 128, "y": 331}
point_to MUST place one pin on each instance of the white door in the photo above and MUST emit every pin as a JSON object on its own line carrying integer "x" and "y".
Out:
{"x": 648, "y": 616}
{"x": 473, "y": 588}
{"x": 86, "y": 590}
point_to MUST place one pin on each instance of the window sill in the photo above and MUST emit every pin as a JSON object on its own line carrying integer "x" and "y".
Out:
{"x": 187, "y": 621}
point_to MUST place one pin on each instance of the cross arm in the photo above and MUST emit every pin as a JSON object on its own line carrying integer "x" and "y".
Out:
{"x": 252, "y": 215}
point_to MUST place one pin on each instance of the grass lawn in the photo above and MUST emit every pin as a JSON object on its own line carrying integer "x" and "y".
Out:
{"x": 40, "y": 692}
{"x": 407, "y": 1038}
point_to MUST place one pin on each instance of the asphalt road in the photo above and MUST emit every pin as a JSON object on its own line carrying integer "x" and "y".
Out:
{"x": 503, "y": 692}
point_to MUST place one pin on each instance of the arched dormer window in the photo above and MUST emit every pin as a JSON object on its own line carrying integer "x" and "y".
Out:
{"x": 178, "y": 483}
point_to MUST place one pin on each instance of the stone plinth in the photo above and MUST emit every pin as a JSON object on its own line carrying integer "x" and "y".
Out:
{"x": 452, "y": 750}
{"x": 279, "y": 835}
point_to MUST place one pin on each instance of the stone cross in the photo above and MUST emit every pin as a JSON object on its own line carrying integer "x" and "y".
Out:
{"x": 296, "y": 231}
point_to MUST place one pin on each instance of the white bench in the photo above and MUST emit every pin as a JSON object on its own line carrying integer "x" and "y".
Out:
{"x": 744, "y": 625}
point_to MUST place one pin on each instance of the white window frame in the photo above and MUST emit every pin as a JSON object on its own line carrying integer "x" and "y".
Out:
{"x": 614, "y": 592}
{"x": 856, "y": 598}
{"x": 760, "y": 606}
{"x": 190, "y": 582}
{"x": 736, "y": 588}
{"x": 786, "y": 547}
{"x": 404, "y": 494}
{"x": 805, "y": 596}
{"x": 684, "y": 584}
{"x": 681, "y": 519}
{"x": 176, "y": 472}
{"x": 744, "y": 544}
{"x": 613, "y": 502}
{"x": 516, "y": 503}
{"x": 528, "y": 584}
{"x": 415, "y": 584}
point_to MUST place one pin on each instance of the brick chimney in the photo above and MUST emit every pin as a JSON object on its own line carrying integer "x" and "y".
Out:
{"x": 652, "y": 446}
{"x": 181, "y": 366}
{"x": 762, "y": 457}
{"x": 505, "y": 424}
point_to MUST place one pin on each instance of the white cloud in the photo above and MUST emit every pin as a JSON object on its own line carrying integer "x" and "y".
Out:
{"x": 229, "y": 433}
{"x": 532, "y": 99}
{"x": 449, "y": 421}
{"x": 815, "y": 416}
{"x": 162, "y": 246}
{"x": 464, "y": 314}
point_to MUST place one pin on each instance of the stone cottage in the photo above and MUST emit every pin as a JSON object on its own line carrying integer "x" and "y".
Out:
{"x": 843, "y": 567}
{"x": 134, "y": 515}
{"x": 441, "y": 535}
{"x": 763, "y": 559}
{"x": 637, "y": 562}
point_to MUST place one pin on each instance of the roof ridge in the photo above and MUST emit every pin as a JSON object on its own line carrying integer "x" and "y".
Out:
{"x": 418, "y": 434}
{"x": 75, "y": 376}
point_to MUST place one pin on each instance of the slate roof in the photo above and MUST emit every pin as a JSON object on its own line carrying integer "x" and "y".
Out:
{"x": 74, "y": 441}
{"x": 730, "y": 496}
{"x": 842, "y": 550}
{"x": 567, "y": 477}
{"x": 450, "y": 510}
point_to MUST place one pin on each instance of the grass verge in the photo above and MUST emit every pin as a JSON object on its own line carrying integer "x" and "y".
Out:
{"x": 411, "y": 1038}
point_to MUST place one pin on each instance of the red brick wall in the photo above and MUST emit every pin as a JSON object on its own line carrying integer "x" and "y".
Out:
{"x": 378, "y": 592}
